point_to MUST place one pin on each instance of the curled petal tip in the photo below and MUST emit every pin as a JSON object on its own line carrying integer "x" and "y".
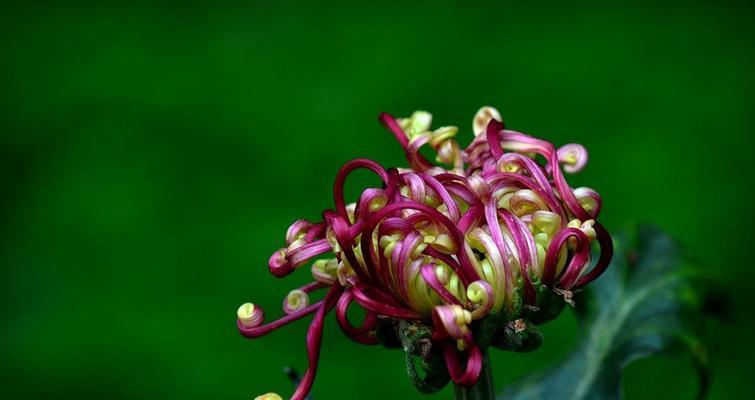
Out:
{"x": 296, "y": 231}
{"x": 546, "y": 222}
{"x": 444, "y": 243}
{"x": 525, "y": 202}
{"x": 419, "y": 122}
{"x": 480, "y": 294}
{"x": 588, "y": 227}
{"x": 453, "y": 320}
{"x": 483, "y": 117}
{"x": 480, "y": 187}
{"x": 295, "y": 300}
{"x": 589, "y": 200}
{"x": 384, "y": 116}
{"x": 325, "y": 271}
{"x": 279, "y": 265}
{"x": 268, "y": 396}
{"x": 344, "y": 272}
{"x": 573, "y": 157}
{"x": 250, "y": 315}
{"x": 442, "y": 134}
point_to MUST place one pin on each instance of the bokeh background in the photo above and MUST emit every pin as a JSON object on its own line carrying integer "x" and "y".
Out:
{"x": 153, "y": 154}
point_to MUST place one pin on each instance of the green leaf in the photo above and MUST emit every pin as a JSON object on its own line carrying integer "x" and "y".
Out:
{"x": 642, "y": 306}
{"x": 424, "y": 364}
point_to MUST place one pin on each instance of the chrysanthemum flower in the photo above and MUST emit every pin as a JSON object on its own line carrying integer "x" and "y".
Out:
{"x": 492, "y": 232}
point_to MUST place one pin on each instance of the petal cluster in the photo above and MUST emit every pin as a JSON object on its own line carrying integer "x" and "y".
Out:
{"x": 490, "y": 230}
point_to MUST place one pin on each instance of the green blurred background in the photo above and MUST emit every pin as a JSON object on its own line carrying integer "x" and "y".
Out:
{"x": 154, "y": 154}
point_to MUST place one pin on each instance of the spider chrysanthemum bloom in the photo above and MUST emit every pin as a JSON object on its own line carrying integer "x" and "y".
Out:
{"x": 494, "y": 234}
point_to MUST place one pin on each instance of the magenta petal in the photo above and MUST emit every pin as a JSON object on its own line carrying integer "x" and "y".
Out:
{"x": 360, "y": 334}
{"x": 344, "y": 172}
{"x": 471, "y": 374}
{"x": 606, "y": 253}
{"x": 493, "y": 139}
{"x": 314, "y": 339}
{"x": 428, "y": 273}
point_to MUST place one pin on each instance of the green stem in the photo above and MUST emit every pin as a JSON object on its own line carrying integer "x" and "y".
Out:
{"x": 483, "y": 389}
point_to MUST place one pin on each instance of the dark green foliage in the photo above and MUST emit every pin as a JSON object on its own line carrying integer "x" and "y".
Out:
{"x": 519, "y": 335}
{"x": 644, "y": 305}
{"x": 549, "y": 306}
{"x": 153, "y": 154}
{"x": 432, "y": 374}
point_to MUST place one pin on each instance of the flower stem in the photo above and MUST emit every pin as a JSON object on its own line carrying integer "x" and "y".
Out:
{"x": 483, "y": 389}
